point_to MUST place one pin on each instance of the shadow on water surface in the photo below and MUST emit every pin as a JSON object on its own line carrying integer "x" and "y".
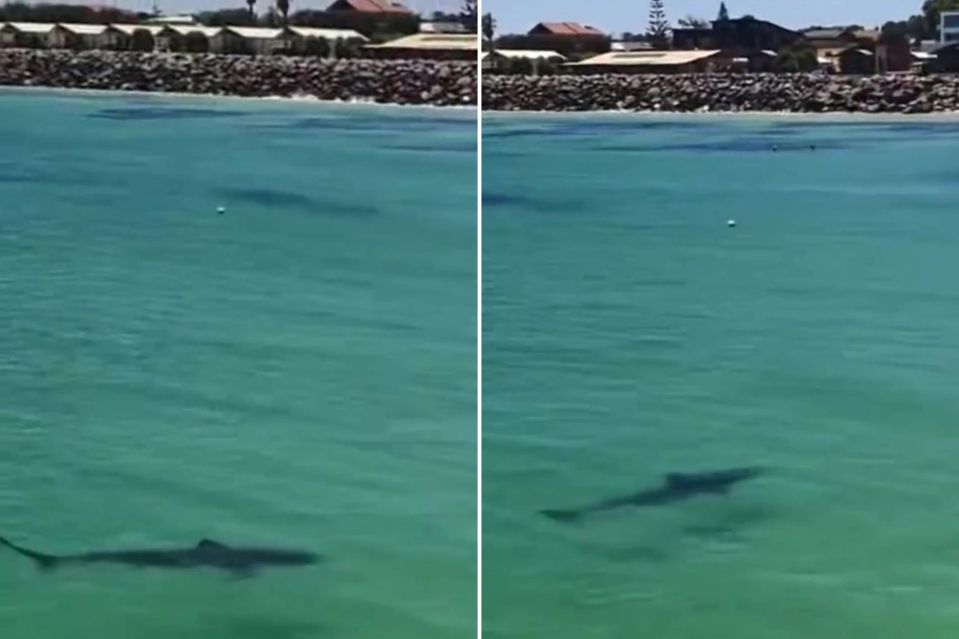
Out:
{"x": 163, "y": 113}
{"x": 275, "y": 198}
{"x": 540, "y": 205}
{"x": 272, "y": 628}
{"x": 739, "y": 145}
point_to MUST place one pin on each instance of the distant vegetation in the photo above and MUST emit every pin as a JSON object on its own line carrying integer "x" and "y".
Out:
{"x": 80, "y": 14}
{"x": 924, "y": 26}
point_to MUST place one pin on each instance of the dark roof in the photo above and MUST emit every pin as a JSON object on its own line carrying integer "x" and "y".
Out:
{"x": 754, "y": 20}
{"x": 824, "y": 34}
{"x": 370, "y": 6}
{"x": 567, "y": 28}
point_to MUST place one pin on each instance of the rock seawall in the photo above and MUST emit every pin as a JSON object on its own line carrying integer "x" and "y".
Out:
{"x": 801, "y": 93}
{"x": 386, "y": 81}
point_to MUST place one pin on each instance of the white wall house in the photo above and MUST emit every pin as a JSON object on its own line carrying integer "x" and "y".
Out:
{"x": 166, "y": 36}
{"x": 949, "y": 26}
{"x": 258, "y": 40}
{"x": 68, "y": 36}
{"x": 13, "y": 34}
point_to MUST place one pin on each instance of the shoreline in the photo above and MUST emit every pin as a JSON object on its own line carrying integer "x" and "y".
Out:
{"x": 294, "y": 79}
{"x": 823, "y": 117}
{"x": 727, "y": 94}
{"x": 305, "y": 100}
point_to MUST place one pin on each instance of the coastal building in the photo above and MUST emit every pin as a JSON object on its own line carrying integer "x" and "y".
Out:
{"x": 695, "y": 61}
{"x": 565, "y": 30}
{"x": 177, "y": 37}
{"x": 76, "y": 36}
{"x": 502, "y": 59}
{"x": 119, "y": 37}
{"x": 859, "y": 51}
{"x": 267, "y": 41}
{"x": 442, "y": 26}
{"x": 742, "y": 35}
{"x": 567, "y": 38}
{"x": 445, "y": 46}
{"x": 299, "y": 35}
{"x": 368, "y": 6}
{"x": 25, "y": 34}
{"x": 251, "y": 40}
{"x": 947, "y": 59}
{"x": 949, "y": 27}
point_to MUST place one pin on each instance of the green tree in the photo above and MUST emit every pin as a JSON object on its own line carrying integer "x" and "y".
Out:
{"x": 658, "y": 30}
{"x": 489, "y": 27}
{"x": 283, "y": 6}
{"x": 195, "y": 42}
{"x": 141, "y": 40}
{"x": 723, "y": 12}
{"x": 796, "y": 61}
{"x": 251, "y": 5}
{"x": 226, "y": 17}
{"x": 692, "y": 22}
{"x": 319, "y": 47}
{"x": 347, "y": 48}
{"x": 520, "y": 66}
{"x": 932, "y": 11}
{"x": 469, "y": 14}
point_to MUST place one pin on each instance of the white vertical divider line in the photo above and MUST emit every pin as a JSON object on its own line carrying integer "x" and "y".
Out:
{"x": 479, "y": 321}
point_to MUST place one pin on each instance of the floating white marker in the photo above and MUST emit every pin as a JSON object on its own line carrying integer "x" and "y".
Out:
{"x": 731, "y": 223}
{"x": 221, "y": 210}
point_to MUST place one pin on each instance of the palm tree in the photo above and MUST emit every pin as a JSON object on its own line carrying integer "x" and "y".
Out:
{"x": 251, "y": 4}
{"x": 284, "y": 8}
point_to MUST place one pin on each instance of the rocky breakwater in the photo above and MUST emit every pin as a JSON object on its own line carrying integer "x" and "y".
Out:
{"x": 801, "y": 93}
{"x": 384, "y": 81}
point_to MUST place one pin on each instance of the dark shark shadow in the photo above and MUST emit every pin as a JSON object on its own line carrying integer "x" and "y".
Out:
{"x": 273, "y": 628}
{"x": 237, "y": 561}
{"x": 676, "y": 487}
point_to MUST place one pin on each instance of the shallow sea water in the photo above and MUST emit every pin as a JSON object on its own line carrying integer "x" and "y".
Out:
{"x": 629, "y": 332}
{"x": 297, "y": 372}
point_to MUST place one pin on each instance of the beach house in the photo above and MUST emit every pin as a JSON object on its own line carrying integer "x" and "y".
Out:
{"x": 532, "y": 59}
{"x": 76, "y": 36}
{"x": 25, "y": 34}
{"x": 185, "y": 37}
{"x": 432, "y": 46}
{"x": 119, "y": 37}
{"x": 250, "y": 40}
{"x": 303, "y": 39}
{"x": 949, "y": 27}
{"x": 368, "y": 6}
{"x": 852, "y": 50}
{"x": 664, "y": 62}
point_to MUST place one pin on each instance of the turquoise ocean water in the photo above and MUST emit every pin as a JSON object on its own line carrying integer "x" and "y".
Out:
{"x": 298, "y": 372}
{"x": 628, "y": 332}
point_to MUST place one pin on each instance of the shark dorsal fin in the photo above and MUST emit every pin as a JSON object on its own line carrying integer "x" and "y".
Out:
{"x": 676, "y": 479}
{"x": 209, "y": 544}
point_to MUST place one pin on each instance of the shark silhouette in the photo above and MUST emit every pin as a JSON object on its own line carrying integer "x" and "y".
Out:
{"x": 206, "y": 554}
{"x": 676, "y": 487}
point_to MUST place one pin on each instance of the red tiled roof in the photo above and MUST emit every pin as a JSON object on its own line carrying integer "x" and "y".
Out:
{"x": 373, "y": 6}
{"x": 568, "y": 28}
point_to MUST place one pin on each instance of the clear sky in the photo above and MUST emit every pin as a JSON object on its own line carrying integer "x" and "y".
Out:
{"x": 617, "y": 16}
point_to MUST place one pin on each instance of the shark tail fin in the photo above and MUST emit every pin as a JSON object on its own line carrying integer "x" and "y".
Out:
{"x": 41, "y": 560}
{"x": 564, "y": 516}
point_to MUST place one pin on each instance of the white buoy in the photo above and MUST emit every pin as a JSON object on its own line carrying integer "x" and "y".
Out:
{"x": 731, "y": 223}
{"x": 221, "y": 210}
